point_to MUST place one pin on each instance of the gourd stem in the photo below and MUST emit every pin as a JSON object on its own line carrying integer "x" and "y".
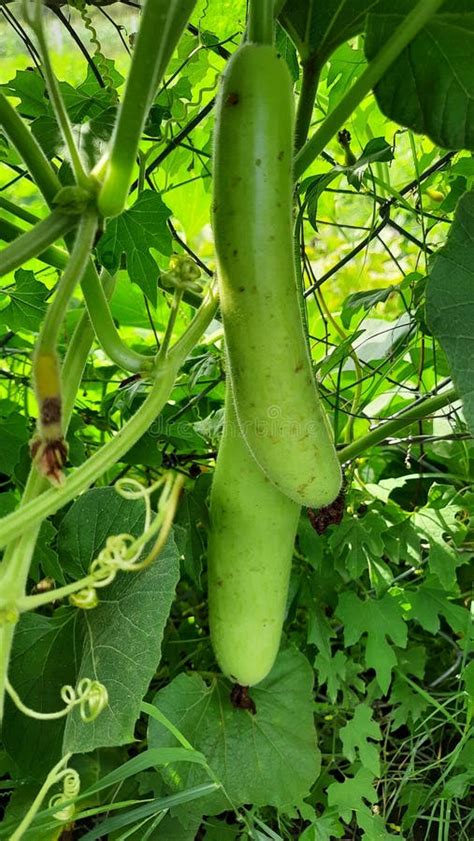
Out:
{"x": 161, "y": 26}
{"x": 392, "y": 427}
{"x": 51, "y": 256}
{"x": 35, "y": 20}
{"x": 260, "y": 21}
{"x": 73, "y": 272}
{"x": 402, "y": 36}
{"x": 18, "y": 554}
{"x": 35, "y": 241}
{"x": 107, "y": 334}
{"x": 36, "y": 510}
{"x": 49, "y": 184}
{"x": 307, "y": 97}
{"x": 30, "y": 151}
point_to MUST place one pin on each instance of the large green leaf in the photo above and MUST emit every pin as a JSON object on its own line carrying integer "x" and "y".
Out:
{"x": 121, "y": 647}
{"x": 318, "y": 28}
{"x": 450, "y": 301}
{"x": 430, "y": 86}
{"x": 270, "y": 758}
{"x": 118, "y": 643}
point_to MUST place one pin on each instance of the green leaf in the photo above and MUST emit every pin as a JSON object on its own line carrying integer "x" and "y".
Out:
{"x": 430, "y": 86}
{"x": 427, "y": 604}
{"x": 355, "y": 737}
{"x": 120, "y": 645}
{"x": 435, "y": 525}
{"x": 41, "y": 664}
{"x": 117, "y": 643}
{"x": 27, "y": 302}
{"x": 133, "y": 233}
{"x": 356, "y": 541}
{"x": 379, "y": 619}
{"x": 450, "y": 302}
{"x": 351, "y": 795}
{"x": 95, "y": 516}
{"x": 325, "y": 827}
{"x": 332, "y": 671}
{"x": 28, "y": 86}
{"x": 363, "y": 300}
{"x": 269, "y": 758}
{"x": 318, "y": 28}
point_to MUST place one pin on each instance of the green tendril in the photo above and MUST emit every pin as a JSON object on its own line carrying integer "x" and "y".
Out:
{"x": 99, "y": 57}
{"x": 89, "y": 695}
{"x": 71, "y": 788}
{"x": 122, "y": 552}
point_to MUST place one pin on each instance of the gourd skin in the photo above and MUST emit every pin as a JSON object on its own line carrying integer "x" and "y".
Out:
{"x": 277, "y": 403}
{"x": 253, "y": 529}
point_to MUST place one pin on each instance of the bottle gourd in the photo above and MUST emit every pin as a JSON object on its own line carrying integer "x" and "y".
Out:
{"x": 277, "y": 403}
{"x": 253, "y": 528}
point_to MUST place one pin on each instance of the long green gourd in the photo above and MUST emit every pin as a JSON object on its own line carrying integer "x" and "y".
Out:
{"x": 278, "y": 406}
{"x": 253, "y": 528}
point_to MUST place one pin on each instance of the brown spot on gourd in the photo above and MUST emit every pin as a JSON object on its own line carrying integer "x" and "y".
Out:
{"x": 232, "y": 99}
{"x": 258, "y": 161}
{"x": 241, "y": 288}
{"x": 298, "y": 367}
{"x": 281, "y": 155}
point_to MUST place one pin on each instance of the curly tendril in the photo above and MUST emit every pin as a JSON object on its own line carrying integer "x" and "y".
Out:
{"x": 89, "y": 695}
{"x": 123, "y": 552}
{"x": 71, "y": 788}
{"x": 99, "y": 57}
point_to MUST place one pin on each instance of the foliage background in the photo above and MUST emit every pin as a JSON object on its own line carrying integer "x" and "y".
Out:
{"x": 363, "y": 727}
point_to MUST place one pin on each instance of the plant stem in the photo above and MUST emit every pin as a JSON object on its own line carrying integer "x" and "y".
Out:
{"x": 18, "y": 554}
{"x": 35, "y": 20}
{"x": 309, "y": 89}
{"x": 18, "y": 211}
{"x": 52, "y": 778}
{"x": 105, "y": 329}
{"x": 52, "y": 256}
{"x": 392, "y": 427}
{"x": 96, "y": 301}
{"x": 402, "y": 36}
{"x": 161, "y": 26}
{"x": 35, "y": 241}
{"x": 260, "y": 21}
{"x": 36, "y": 510}
{"x": 73, "y": 272}
{"x": 29, "y": 149}
{"x": 175, "y": 302}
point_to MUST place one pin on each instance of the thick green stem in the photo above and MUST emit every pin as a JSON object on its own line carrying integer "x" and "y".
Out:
{"x": 35, "y": 20}
{"x": 260, "y": 21}
{"x": 402, "y": 36}
{"x": 161, "y": 26}
{"x": 30, "y": 150}
{"x": 309, "y": 89}
{"x": 36, "y": 510}
{"x": 18, "y": 211}
{"x": 52, "y": 256}
{"x": 32, "y": 243}
{"x": 49, "y": 184}
{"x": 392, "y": 427}
{"x": 73, "y": 273}
{"x": 105, "y": 329}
